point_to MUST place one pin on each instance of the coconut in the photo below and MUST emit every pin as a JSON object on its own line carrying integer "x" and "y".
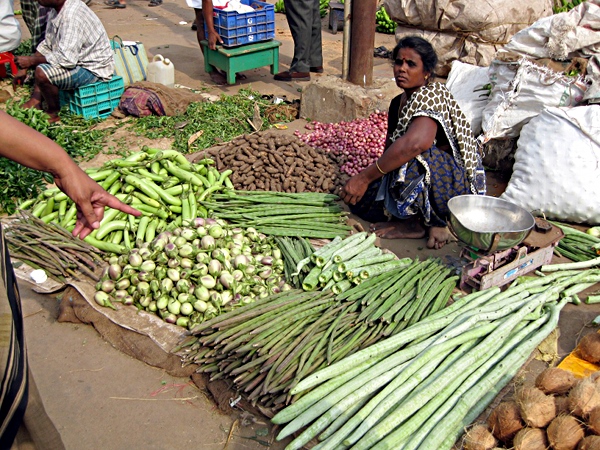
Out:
{"x": 562, "y": 405}
{"x": 555, "y": 381}
{"x": 589, "y": 443}
{"x": 564, "y": 433}
{"x": 505, "y": 421}
{"x": 537, "y": 409}
{"x": 584, "y": 397}
{"x": 479, "y": 438}
{"x": 593, "y": 421}
{"x": 530, "y": 439}
{"x": 589, "y": 347}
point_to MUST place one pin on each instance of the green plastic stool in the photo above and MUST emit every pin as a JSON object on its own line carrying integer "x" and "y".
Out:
{"x": 245, "y": 57}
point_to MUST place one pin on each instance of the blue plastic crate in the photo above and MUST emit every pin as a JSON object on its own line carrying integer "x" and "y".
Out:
{"x": 245, "y": 28}
{"x": 91, "y": 101}
{"x": 96, "y": 111}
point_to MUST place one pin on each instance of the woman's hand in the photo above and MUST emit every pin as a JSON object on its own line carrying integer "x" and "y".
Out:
{"x": 354, "y": 189}
{"x": 90, "y": 198}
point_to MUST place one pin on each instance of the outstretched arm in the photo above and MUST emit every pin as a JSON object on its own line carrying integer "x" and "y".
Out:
{"x": 32, "y": 149}
{"x": 418, "y": 138}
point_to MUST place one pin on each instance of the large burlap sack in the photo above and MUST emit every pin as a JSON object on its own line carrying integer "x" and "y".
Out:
{"x": 466, "y": 82}
{"x": 490, "y": 21}
{"x": 557, "y": 167}
{"x": 521, "y": 90}
{"x": 451, "y": 46}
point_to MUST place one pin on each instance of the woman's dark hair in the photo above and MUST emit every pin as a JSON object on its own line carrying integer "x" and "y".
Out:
{"x": 422, "y": 47}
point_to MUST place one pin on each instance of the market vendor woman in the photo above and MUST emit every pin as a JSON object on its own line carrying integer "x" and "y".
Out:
{"x": 430, "y": 156}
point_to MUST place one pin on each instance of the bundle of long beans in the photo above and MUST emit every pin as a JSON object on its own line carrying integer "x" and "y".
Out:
{"x": 294, "y": 250}
{"x": 52, "y": 248}
{"x": 307, "y": 214}
{"x": 577, "y": 245}
{"x": 267, "y": 347}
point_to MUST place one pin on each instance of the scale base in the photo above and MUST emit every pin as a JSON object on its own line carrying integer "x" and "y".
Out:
{"x": 502, "y": 267}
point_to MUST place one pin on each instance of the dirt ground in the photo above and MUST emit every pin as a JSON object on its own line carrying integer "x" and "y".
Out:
{"x": 100, "y": 398}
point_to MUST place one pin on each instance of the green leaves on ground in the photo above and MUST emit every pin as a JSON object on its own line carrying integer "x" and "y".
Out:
{"x": 74, "y": 134}
{"x": 219, "y": 121}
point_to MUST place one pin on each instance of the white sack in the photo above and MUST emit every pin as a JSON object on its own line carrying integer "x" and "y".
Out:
{"x": 451, "y": 46}
{"x": 557, "y": 165}
{"x": 465, "y": 82}
{"x": 520, "y": 91}
{"x": 489, "y": 21}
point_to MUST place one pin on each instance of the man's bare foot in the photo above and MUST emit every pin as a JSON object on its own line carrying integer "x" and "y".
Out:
{"x": 32, "y": 103}
{"x": 240, "y": 77}
{"x": 403, "y": 229}
{"x": 438, "y": 237}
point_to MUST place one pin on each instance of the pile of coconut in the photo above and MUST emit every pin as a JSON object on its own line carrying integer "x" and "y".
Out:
{"x": 559, "y": 412}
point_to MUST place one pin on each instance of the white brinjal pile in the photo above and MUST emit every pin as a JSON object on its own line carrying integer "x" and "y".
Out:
{"x": 162, "y": 184}
{"x": 419, "y": 388}
{"x": 268, "y": 161}
{"x": 267, "y": 347}
{"x": 190, "y": 274}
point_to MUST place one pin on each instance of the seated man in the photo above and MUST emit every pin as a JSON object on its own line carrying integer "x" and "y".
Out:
{"x": 75, "y": 51}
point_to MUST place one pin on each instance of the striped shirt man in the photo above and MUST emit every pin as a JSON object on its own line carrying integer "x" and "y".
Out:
{"x": 76, "y": 37}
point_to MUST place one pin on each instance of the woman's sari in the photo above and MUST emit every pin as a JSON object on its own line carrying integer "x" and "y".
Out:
{"x": 424, "y": 184}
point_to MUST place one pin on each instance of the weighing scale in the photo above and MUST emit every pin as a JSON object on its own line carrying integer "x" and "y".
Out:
{"x": 484, "y": 270}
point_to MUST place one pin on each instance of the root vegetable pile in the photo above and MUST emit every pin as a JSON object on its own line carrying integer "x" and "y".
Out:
{"x": 560, "y": 412}
{"x": 360, "y": 142}
{"x": 268, "y": 161}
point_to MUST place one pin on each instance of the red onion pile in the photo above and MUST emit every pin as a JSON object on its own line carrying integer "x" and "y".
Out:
{"x": 360, "y": 142}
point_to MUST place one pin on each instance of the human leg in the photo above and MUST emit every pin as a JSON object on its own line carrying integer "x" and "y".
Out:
{"x": 299, "y": 14}
{"x": 316, "y": 47}
{"x": 215, "y": 74}
{"x": 51, "y": 79}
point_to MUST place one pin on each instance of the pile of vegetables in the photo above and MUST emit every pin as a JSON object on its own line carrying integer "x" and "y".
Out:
{"x": 162, "y": 184}
{"x": 577, "y": 245}
{"x": 360, "y": 141}
{"x": 272, "y": 162}
{"x": 566, "y": 5}
{"x": 323, "y": 7}
{"x": 51, "y": 248}
{"x": 206, "y": 124}
{"x": 267, "y": 347}
{"x": 419, "y": 388}
{"x": 75, "y": 134}
{"x": 344, "y": 262}
{"x": 310, "y": 215}
{"x": 557, "y": 411}
{"x": 190, "y": 274}
{"x": 384, "y": 22}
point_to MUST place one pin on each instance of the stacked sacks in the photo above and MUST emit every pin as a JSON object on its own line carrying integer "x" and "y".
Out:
{"x": 459, "y": 29}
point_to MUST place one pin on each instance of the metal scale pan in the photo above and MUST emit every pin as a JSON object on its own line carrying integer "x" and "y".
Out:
{"x": 503, "y": 241}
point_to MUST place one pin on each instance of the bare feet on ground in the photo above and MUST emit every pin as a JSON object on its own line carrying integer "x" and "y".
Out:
{"x": 438, "y": 237}
{"x": 405, "y": 229}
{"x": 32, "y": 103}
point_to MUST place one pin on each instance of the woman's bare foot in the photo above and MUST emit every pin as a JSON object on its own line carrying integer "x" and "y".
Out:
{"x": 218, "y": 77}
{"x": 438, "y": 237}
{"x": 32, "y": 103}
{"x": 403, "y": 229}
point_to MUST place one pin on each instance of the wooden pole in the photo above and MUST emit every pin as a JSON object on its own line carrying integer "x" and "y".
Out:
{"x": 362, "y": 42}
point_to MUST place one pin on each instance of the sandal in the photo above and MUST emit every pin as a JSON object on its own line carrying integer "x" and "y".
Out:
{"x": 155, "y": 3}
{"x": 115, "y": 4}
